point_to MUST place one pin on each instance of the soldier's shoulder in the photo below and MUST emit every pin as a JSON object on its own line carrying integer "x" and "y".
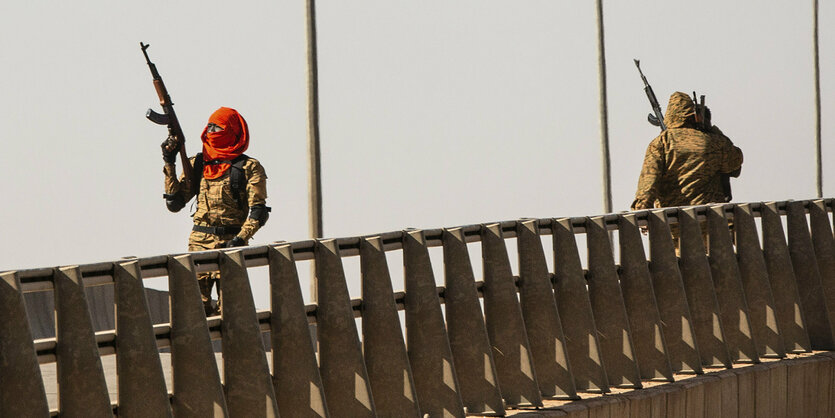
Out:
{"x": 685, "y": 135}
{"x": 252, "y": 162}
{"x": 253, "y": 167}
{"x": 720, "y": 136}
{"x": 659, "y": 140}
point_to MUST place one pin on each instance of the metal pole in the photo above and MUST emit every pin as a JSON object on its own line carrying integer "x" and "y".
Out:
{"x": 315, "y": 169}
{"x": 604, "y": 118}
{"x": 818, "y": 158}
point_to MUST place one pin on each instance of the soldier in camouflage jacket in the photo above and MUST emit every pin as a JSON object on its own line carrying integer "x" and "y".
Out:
{"x": 230, "y": 189}
{"x": 682, "y": 166}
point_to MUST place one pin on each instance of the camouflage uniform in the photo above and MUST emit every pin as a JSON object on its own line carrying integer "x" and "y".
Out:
{"x": 682, "y": 166}
{"x": 216, "y": 206}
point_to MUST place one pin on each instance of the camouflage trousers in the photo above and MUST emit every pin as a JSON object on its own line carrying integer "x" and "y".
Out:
{"x": 199, "y": 241}
{"x": 207, "y": 281}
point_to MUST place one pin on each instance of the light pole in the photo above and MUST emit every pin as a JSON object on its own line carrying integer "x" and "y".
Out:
{"x": 315, "y": 168}
{"x": 818, "y": 157}
{"x": 604, "y": 117}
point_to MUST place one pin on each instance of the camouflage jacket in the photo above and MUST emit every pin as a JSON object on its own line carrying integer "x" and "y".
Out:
{"x": 682, "y": 166}
{"x": 216, "y": 206}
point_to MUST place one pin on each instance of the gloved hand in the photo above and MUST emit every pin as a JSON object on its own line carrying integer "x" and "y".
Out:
{"x": 235, "y": 242}
{"x": 169, "y": 149}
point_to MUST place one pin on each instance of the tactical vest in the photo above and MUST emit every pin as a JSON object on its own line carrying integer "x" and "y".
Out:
{"x": 237, "y": 176}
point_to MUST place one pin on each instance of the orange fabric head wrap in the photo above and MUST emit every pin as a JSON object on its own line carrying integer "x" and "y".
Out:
{"x": 225, "y": 145}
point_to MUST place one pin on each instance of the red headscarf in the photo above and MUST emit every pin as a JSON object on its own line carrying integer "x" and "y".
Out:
{"x": 227, "y": 144}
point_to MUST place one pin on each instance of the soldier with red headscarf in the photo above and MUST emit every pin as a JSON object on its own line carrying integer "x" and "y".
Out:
{"x": 230, "y": 189}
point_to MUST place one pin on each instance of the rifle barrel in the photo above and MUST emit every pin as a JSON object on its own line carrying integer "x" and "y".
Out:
{"x": 653, "y": 101}
{"x": 151, "y": 65}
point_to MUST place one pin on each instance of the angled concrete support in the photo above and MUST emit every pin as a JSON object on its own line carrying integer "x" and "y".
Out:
{"x": 609, "y": 309}
{"x": 542, "y": 319}
{"x": 670, "y": 295}
{"x": 344, "y": 375}
{"x": 733, "y": 308}
{"x": 296, "y": 379}
{"x": 81, "y": 379}
{"x": 22, "y": 395}
{"x": 429, "y": 351}
{"x": 505, "y": 325}
{"x": 790, "y": 315}
{"x": 467, "y": 333}
{"x": 197, "y": 387}
{"x": 641, "y": 307}
{"x": 754, "y": 275}
{"x": 819, "y": 312}
{"x": 142, "y": 391}
{"x": 701, "y": 297}
{"x": 382, "y": 337}
{"x": 572, "y": 297}
{"x": 246, "y": 375}
{"x": 824, "y": 245}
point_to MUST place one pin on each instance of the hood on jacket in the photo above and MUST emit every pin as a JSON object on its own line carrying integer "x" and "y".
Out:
{"x": 681, "y": 112}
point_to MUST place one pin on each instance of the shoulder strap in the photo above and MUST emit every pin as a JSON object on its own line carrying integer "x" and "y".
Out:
{"x": 237, "y": 180}
{"x": 197, "y": 168}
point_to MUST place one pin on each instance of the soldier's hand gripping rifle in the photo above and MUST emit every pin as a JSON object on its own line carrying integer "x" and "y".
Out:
{"x": 656, "y": 118}
{"x": 168, "y": 117}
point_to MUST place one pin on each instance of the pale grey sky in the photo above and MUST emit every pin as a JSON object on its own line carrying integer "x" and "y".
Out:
{"x": 432, "y": 113}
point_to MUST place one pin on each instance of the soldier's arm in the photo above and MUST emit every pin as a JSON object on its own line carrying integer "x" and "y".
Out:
{"x": 732, "y": 164}
{"x": 176, "y": 193}
{"x": 256, "y": 192}
{"x": 731, "y": 154}
{"x": 651, "y": 173}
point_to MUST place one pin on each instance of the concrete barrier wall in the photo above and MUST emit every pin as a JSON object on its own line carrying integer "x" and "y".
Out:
{"x": 716, "y": 297}
{"x": 798, "y": 388}
{"x": 40, "y": 308}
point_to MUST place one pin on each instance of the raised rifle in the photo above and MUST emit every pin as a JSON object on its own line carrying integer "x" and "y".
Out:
{"x": 656, "y": 118}
{"x": 168, "y": 117}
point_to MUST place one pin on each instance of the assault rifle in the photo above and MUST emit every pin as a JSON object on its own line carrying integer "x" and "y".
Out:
{"x": 656, "y": 117}
{"x": 168, "y": 117}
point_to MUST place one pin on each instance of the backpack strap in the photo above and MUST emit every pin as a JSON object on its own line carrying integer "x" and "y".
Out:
{"x": 197, "y": 170}
{"x": 237, "y": 180}
{"x": 237, "y": 176}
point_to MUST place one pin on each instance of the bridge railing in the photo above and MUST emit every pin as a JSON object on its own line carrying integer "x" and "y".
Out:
{"x": 723, "y": 296}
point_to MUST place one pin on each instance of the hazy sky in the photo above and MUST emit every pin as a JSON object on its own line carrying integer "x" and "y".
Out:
{"x": 432, "y": 113}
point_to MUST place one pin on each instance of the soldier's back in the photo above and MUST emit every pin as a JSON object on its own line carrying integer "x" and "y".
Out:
{"x": 693, "y": 162}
